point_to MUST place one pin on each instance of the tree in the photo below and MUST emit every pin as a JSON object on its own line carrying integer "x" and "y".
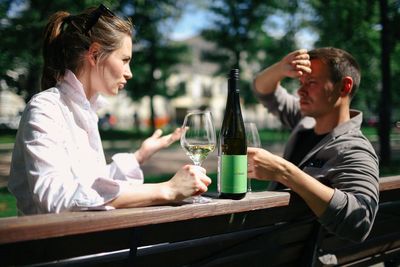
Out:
{"x": 154, "y": 54}
{"x": 353, "y": 33}
{"x": 390, "y": 35}
{"x": 153, "y": 60}
{"x": 368, "y": 30}
{"x": 239, "y": 30}
{"x": 22, "y": 29}
{"x": 394, "y": 22}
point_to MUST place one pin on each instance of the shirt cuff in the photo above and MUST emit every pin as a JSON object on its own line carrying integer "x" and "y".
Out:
{"x": 128, "y": 168}
{"x": 107, "y": 191}
{"x": 103, "y": 191}
{"x": 338, "y": 201}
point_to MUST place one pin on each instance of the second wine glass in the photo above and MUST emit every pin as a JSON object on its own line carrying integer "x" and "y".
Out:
{"x": 198, "y": 139}
{"x": 253, "y": 140}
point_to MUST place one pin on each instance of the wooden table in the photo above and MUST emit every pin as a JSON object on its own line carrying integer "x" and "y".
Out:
{"x": 52, "y": 232}
{"x": 265, "y": 225}
{"x": 15, "y": 229}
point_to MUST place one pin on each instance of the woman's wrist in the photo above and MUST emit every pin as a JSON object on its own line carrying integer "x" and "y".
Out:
{"x": 139, "y": 157}
{"x": 167, "y": 191}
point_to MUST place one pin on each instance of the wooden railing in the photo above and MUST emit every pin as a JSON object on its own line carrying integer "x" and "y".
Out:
{"x": 263, "y": 229}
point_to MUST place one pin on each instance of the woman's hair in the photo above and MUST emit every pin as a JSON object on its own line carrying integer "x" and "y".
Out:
{"x": 340, "y": 64}
{"x": 67, "y": 37}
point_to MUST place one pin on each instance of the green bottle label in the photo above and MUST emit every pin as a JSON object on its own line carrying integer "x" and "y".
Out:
{"x": 233, "y": 178}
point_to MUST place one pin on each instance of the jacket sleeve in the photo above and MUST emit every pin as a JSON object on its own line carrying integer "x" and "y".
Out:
{"x": 283, "y": 105}
{"x": 353, "y": 207}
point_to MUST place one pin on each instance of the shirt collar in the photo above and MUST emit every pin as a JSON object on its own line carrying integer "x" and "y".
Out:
{"x": 353, "y": 124}
{"x": 72, "y": 87}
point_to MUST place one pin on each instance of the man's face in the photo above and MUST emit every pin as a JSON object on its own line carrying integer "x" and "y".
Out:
{"x": 318, "y": 95}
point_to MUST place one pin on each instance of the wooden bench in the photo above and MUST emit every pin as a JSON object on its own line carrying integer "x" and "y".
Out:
{"x": 264, "y": 229}
{"x": 383, "y": 243}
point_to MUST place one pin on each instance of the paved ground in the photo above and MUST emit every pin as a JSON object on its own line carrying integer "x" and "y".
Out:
{"x": 5, "y": 159}
{"x": 169, "y": 161}
{"x": 166, "y": 161}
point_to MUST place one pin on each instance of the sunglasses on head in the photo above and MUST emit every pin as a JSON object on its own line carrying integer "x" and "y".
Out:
{"x": 91, "y": 19}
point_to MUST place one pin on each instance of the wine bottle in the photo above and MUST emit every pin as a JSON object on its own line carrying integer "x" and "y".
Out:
{"x": 232, "y": 146}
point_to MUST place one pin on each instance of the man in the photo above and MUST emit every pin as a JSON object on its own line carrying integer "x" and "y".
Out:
{"x": 327, "y": 160}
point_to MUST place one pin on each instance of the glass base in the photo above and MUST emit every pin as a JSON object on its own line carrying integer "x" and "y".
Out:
{"x": 197, "y": 199}
{"x": 248, "y": 185}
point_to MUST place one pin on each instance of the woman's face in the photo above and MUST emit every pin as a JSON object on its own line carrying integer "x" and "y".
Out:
{"x": 114, "y": 71}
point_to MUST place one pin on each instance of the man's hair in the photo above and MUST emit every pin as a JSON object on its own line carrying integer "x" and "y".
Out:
{"x": 340, "y": 64}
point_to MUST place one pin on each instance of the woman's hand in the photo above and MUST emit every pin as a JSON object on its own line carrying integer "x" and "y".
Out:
{"x": 189, "y": 181}
{"x": 155, "y": 143}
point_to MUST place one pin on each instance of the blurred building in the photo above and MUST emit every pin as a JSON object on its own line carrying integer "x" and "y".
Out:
{"x": 11, "y": 107}
{"x": 203, "y": 90}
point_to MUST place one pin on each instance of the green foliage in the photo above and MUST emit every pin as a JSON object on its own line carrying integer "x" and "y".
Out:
{"x": 21, "y": 45}
{"x": 355, "y": 26}
{"x": 7, "y": 204}
{"x": 237, "y": 30}
{"x": 164, "y": 58}
{"x": 122, "y": 134}
{"x": 244, "y": 31}
{"x": 7, "y": 136}
{"x": 395, "y": 82}
{"x": 153, "y": 61}
{"x": 240, "y": 30}
{"x": 155, "y": 56}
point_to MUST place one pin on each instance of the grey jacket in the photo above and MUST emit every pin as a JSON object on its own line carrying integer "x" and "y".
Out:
{"x": 344, "y": 160}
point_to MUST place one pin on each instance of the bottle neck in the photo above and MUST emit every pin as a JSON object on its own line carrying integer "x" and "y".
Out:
{"x": 233, "y": 85}
{"x": 233, "y": 91}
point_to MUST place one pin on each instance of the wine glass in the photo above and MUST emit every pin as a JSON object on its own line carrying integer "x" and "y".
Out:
{"x": 253, "y": 140}
{"x": 198, "y": 140}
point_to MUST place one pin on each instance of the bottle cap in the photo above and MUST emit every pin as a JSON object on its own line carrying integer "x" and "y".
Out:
{"x": 234, "y": 73}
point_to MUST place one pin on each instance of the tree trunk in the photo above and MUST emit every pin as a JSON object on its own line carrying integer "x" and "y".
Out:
{"x": 152, "y": 114}
{"x": 153, "y": 83}
{"x": 385, "y": 102}
{"x": 32, "y": 82}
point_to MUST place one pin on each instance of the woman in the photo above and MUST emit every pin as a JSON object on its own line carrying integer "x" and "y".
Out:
{"x": 58, "y": 162}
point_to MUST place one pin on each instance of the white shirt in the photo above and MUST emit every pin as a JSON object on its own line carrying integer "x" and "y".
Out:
{"x": 58, "y": 162}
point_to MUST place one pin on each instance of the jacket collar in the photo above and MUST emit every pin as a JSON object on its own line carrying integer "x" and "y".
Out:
{"x": 308, "y": 123}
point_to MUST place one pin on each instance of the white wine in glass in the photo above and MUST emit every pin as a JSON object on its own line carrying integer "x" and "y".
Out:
{"x": 198, "y": 140}
{"x": 198, "y": 153}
